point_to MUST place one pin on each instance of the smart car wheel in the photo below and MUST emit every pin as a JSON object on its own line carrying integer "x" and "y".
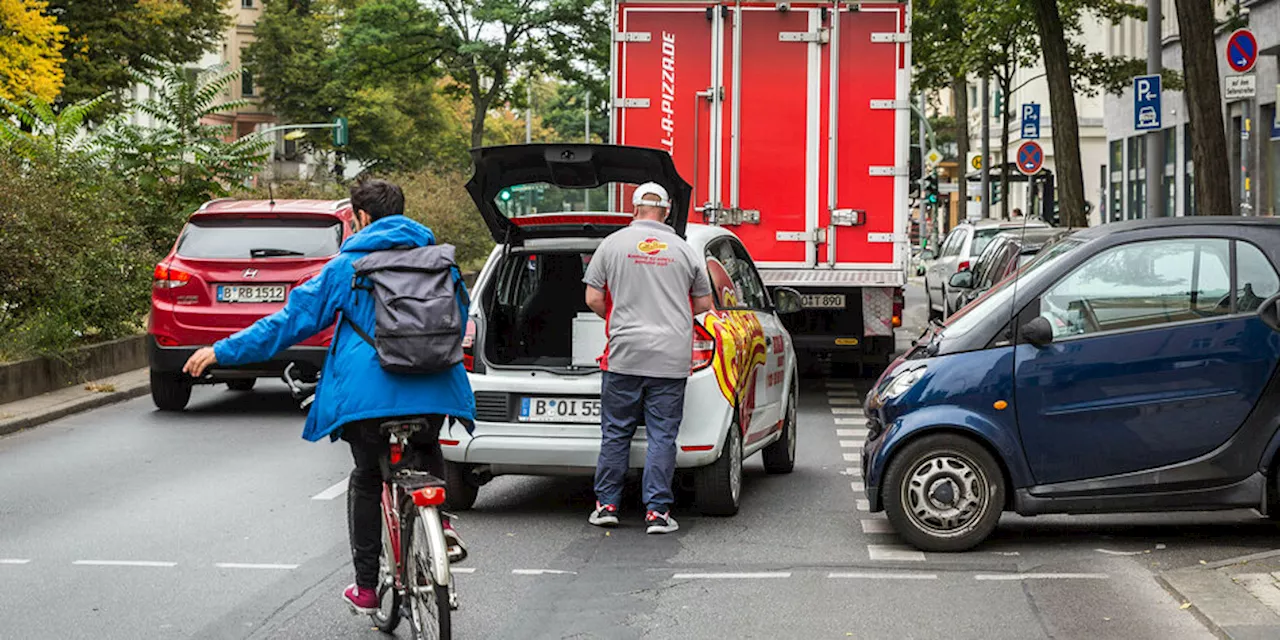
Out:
{"x": 780, "y": 457}
{"x": 944, "y": 493}
{"x": 719, "y": 485}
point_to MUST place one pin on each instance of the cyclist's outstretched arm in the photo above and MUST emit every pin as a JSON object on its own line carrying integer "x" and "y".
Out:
{"x": 312, "y": 306}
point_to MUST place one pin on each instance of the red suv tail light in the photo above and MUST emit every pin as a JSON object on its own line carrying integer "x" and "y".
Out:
{"x": 704, "y": 347}
{"x": 898, "y": 305}
{"x": 167, "y": 278}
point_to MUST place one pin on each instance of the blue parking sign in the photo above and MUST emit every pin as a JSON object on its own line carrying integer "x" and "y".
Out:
{"x": 1030, "y": 122}
{"x": 1146, "y": 103}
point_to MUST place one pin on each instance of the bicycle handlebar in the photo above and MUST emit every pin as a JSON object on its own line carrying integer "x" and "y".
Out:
{"x": 304, "y": 392}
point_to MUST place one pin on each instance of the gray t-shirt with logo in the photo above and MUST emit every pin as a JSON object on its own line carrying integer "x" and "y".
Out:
{"x": 648, "y": 273}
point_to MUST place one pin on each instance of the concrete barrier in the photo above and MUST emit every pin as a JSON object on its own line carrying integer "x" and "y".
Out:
{"x": 27, "y": 378}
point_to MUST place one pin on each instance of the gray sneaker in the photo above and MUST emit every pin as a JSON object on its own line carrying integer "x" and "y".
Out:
{"x": 660, "y": 522}
{"x": 605, "y": 515}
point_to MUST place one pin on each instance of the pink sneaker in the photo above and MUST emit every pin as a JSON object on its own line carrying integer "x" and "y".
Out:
{"x": 362, "y": 600}
{"x": 457, "y": 550}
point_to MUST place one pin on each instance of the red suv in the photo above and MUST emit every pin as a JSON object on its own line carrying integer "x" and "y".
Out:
{"x": 235, "y": 262}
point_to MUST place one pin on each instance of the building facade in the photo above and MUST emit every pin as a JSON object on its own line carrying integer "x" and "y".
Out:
{"x": 1253, "y": 132}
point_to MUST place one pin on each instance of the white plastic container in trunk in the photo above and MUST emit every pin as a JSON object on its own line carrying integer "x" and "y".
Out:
{"x": 589, "y": 339}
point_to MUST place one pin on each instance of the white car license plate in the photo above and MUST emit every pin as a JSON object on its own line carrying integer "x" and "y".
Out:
{"x": 823, "y": 301}
{"x": 251, "y": 293}
{"x": 535, "y": 409}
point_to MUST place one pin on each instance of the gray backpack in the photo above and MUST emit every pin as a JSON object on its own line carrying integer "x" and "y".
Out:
{"x": 418, "y": 324}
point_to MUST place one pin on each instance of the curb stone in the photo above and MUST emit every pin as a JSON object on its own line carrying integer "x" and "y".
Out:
{"x": 13, "y": 424}
{"x": 1226, "y": 608}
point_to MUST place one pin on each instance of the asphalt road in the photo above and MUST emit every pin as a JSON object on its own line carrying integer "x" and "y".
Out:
{"x": 222, "y": 523}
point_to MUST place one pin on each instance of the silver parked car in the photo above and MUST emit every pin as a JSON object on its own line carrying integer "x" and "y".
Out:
{"x": 960, "y": 249}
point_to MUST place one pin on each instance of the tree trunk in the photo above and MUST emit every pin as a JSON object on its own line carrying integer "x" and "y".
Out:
{"x": 479, "y": 109}
{"x": 1006, "y": 84}
{"x": 1204, "y": 105}
{"x": 960, "y": 91}
{"x": 1063, "y": 117}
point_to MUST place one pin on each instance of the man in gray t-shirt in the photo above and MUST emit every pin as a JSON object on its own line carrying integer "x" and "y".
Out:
{"x": 648, "y": 284}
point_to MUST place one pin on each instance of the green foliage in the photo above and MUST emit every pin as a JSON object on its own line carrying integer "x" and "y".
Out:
{"x": 564, "y": 111}
{"x": 182, "y": 161}
{"x": 40, "y": 134}
{"x": 439, "y": 200}
{"x": 938, "y": 48}
{"x": 109, "y": 40}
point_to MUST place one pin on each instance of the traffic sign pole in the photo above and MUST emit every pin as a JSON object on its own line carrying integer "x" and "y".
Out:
{"x": 1242, "y": 55}
{"x": 1155, "y": 139}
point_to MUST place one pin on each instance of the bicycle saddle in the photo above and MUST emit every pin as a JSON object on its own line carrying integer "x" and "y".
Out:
{"x": 406, "y": 427}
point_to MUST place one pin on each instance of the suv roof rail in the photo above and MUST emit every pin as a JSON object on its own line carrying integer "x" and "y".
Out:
{"x": 338, "y": 204}
{"x": 206, "y": 205}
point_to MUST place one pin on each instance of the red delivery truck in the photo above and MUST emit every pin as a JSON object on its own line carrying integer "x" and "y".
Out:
{"x": 791, "y": 120}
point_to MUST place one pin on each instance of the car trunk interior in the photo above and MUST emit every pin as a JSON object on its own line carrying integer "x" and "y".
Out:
{"x": 530, "y": 310}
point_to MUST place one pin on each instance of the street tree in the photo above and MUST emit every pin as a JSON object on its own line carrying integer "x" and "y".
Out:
{"x": 30, "y": 51}
{"x": 1196, "y": 28}
{"x": 35, "y": 132}
{"x": 939, "y": 58}
{"x": 107, "y": 40}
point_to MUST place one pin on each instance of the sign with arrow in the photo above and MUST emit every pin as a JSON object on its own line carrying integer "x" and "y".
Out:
{"x": 1242, "y": 51}
{"x": 1030, "y": 157}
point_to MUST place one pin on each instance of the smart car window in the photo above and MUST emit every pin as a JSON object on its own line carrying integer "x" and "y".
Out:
{"x": 1141, "y": 285}
{"x": 998, "y": 298}
{"x": 1255, "y": 277}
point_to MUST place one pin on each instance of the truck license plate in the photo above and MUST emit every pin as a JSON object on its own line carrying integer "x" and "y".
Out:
{"x": 250, "y": 293}
{"x": 535, "y": 409}
{"x": 823, "y": 301}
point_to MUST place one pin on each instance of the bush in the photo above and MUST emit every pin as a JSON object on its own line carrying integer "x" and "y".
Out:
{"x": 438, "y": 199}
{"x": 76, "y": 268}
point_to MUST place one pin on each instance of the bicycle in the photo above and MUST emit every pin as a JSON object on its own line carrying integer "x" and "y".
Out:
{"x": 422, "y": 586}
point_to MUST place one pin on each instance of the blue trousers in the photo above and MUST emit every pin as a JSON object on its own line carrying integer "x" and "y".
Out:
{"x": 626, "y": 402}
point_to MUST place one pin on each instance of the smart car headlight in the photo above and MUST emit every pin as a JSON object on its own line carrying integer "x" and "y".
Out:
{"x": 902, "y": 382}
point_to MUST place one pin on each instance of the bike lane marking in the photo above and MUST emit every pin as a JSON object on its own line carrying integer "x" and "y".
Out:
{"x": 124, "y": 563}
{"x": 245, "y": 565}
{"x": 732, "y": 576}
{"x": 871, "y": 575}
{"x": 14, "y": 560}
{"x": 336, "y": 490}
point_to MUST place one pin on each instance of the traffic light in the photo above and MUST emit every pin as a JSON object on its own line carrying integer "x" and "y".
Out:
{"x": 341, "y": 133}
{"x": 930, "y": 192}
{"x": 916, "y": 162}
{"x": 504, "y": 195}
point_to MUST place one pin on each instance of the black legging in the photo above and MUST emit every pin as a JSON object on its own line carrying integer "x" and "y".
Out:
{"x": 369, "y": 448}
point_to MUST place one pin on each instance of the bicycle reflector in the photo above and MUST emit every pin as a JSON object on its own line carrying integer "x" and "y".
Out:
{"x": 429, "y": 497}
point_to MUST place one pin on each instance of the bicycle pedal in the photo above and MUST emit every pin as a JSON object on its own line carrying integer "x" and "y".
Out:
{"x": 453, "y": 601}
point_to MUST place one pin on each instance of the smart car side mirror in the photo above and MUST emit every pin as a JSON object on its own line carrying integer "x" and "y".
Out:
{"x": 962, "y": 280}
{"x": 928, "y": 254}
{"x": 787, "y": 300}
{"x": 1269, "y": 312}
{"x": 1038, "y": 332}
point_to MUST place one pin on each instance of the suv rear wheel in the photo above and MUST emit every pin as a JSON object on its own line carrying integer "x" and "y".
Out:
{"x": 170, "y": 391}
{"x": 719, "y": 485}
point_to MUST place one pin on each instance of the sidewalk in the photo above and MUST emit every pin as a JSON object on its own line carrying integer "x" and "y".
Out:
{"x": 40, "y": 409}
{"x": 1237, "y": 598}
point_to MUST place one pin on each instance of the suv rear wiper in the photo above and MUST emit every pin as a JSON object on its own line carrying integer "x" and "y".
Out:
{"x": 274, "y": 253}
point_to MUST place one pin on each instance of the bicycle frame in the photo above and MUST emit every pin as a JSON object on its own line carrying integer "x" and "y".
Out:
{"x": 428, "y": 517}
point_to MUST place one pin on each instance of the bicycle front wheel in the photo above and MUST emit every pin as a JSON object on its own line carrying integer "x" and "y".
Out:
{"x": 428, "y": 601}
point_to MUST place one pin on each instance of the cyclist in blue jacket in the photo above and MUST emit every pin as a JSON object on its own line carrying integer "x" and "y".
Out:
{"x": 355, "y": 394}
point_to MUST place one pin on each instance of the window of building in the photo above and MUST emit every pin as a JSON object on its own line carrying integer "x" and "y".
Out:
{"x": 1137, "y": 178}
{"x": 1269, "y": 161}
{"x": 1189, "y": 174}
{"x": 1170, "y": 170}
{"x": 246, "y": 84}
{"x": 246, "y": 4}
{"x": 1115, "y": 196}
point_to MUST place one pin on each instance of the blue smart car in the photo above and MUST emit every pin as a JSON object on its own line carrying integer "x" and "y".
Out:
{"x": 1130, "y": 367}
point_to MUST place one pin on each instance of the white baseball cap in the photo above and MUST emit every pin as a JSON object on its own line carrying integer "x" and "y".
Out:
{"x": 651, "y": 189}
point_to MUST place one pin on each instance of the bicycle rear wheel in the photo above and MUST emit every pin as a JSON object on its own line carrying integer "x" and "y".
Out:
{"x": 428, "y": 602}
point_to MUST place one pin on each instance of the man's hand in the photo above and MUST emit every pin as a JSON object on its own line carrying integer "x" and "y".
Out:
{"x": 702, "y": 304}
{"x": 595, "y": 300}
{"x": 202, "y": 359}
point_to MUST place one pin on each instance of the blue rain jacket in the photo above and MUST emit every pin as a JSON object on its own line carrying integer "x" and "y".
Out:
{"x": 353, "y": 386}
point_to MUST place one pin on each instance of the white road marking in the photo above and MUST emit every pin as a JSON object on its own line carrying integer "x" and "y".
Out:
{"x": 846, "y": 421}
{"x": 543, "y": 572}
{"x": 841, "y": 384}
{"x": 332, "y": 492}
{"x": 1006, "y": 553}
{"x": 1120, "y": 553}
{"x": 462, "y": 570}
{"x": 858, "y": 486}
{"x": 846, "y": 410}
{"x": 852, "y": 433}
{"x": 852, "y": 457}
{"x": 844, "y": 401}
{"x": 14, "y": 560}
{"x": 245, "y": 565}
{"x": 894, "y": 553}
{"x": 852, "y": 471}
{"x": 842, "y": 393}
{"x": 857, "y": 575}
{"x": 1041, "y": 576}
{"x": 876, "y": 526}
{"x": 850, "y": 444}
{"x": 124, "y": 563}
{"x": 731, "y": 576}
{"x": 864, "y": 505}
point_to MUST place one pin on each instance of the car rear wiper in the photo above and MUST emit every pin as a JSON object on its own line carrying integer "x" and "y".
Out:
{"x": 274, "y": 253}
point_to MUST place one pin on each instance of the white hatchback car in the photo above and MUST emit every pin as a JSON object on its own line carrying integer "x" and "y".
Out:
{"x": 532, "y": 343}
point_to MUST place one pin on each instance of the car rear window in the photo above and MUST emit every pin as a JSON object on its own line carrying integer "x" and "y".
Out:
{"x": 266, "y": 238}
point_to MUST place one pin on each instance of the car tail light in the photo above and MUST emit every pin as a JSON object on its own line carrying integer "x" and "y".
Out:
{"x": 469, "y": 346}
{"x": 429, "y": 497}
{"x": 963, "y": 266}
{"x": 166, "y": 341}
{"x": 898, "y": 304}
{"x": 169, "y": 278}
{"x": 704, "y": 347}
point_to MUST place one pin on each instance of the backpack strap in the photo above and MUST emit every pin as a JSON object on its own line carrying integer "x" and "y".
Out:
{"x": 360, "y": 332}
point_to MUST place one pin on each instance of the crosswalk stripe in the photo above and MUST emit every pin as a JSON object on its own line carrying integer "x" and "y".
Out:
{"x": 844, "y": 401}
{"x": 850, "y": 444}
{"x": 847, "y": 421}
{"x": 846, "y": 410}
{"x": 876, "y": 526}
{"x": 858, "y": 486}
{"x": 852, "y": 433}
{"x": 864, "y": 505}
{"x": 852, "y": 457}
{"x": 894, "y": 553}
